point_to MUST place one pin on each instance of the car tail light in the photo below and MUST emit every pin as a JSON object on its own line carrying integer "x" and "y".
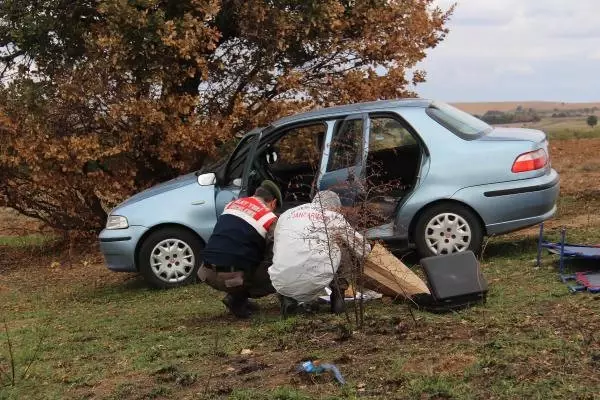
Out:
{"x": 530, "y": 161}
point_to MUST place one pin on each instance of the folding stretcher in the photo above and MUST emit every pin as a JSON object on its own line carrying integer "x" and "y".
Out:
{"x": 589, "y": 281}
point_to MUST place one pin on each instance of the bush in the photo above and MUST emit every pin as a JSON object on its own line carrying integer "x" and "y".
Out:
{"x": 499, "y": 117}
{"x": 103, "y": 99}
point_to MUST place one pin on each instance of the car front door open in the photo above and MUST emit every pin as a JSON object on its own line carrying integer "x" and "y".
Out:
{"x": 343, "y": 163}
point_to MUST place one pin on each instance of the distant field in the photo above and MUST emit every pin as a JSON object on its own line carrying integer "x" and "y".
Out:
{"x": 562, "y": 128}
{"x": 558, "y": 120}
{"x": 481, "y": 108}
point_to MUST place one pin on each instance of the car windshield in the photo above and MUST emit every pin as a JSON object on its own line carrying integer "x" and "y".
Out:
{"x": 459, "y": 122}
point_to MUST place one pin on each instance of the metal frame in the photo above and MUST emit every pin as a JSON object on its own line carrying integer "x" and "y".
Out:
{"x": 565, "y": 278}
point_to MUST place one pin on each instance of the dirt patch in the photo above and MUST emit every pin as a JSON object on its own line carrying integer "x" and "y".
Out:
{"x": 586, "y": 220}
{"x": 132, "y": 386}
{"x": 172, "y": 374}
{"x": 259, "y": 370}
{"x": 245, "y": 366}
{"x": 57, "y": 267}
{"x": 578, "y": 164}
{"x": 12, "y": 223}
{"x": 452, "y": 364}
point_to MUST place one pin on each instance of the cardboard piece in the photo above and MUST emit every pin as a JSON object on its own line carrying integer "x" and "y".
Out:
{"x": 386, "y": 274}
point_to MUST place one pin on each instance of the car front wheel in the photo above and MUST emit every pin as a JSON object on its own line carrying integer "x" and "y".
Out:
{"x": 170, "y": 257}
{"x": 447, "y": 228}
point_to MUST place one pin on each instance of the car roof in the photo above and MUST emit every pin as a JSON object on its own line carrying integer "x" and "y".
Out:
{"x": 352, "y": 108}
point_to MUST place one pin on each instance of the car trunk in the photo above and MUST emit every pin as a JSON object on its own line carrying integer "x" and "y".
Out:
{"x": 515, "y": 134}
{"x": 525, "y": 140}
{"x": 534, "y": 136}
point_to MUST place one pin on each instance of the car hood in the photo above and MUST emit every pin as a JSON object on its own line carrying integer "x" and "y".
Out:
{"x": 176, "y": 183}
{"x": 515, "y": 134}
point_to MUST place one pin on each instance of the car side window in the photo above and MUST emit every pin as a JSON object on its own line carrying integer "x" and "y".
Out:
{"x": 301, "y": 146}
{"x": 387, "y": 133}
{"x": 393, "y": 158}
{"x": 345, "y": 145}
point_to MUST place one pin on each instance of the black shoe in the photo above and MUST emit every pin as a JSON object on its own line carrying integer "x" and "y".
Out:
{"x": 288, "y": 306}
{"x": 336, "y": 298}
{"x": 237, "y": 306}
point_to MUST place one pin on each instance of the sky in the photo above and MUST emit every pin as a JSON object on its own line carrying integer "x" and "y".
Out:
{"x": 503, "y": 50}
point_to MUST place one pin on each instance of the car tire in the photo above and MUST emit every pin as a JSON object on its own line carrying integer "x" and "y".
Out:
{"x": 459, "y": 230}
{"x": 170, "y": 257}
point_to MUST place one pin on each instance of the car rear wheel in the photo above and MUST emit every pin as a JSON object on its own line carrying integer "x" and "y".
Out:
{"x": 170, "y": 257}
{"x": 447, "y": 228}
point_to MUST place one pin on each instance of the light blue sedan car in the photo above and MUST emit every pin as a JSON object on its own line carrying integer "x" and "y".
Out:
{"x": 435, "y": 178}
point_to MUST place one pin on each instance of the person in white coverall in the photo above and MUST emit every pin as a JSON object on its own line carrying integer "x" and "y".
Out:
{"x": 309, "y": 244}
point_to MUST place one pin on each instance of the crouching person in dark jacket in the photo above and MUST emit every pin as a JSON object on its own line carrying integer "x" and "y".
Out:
{"x": 239, "y": 252}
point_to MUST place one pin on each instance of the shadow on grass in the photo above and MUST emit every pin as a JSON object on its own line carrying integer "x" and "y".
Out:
{"x": 217, "y": 317}
{"x": 135, "y": 283}
{"x": 128, "y": 289}
{"x": 495, "y": 248}
{"x": 214, "y": 320}
{"x": 510, "y": 248}
{"x": 573, "y": 265}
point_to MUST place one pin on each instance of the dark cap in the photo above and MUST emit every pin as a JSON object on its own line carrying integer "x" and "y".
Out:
{"x": 272, "y": 188}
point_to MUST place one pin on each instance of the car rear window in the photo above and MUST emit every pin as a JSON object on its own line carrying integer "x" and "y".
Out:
{"x": 458, "y": 122}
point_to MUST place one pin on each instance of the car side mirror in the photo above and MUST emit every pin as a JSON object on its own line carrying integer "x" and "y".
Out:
{"x": 208, "y": 179}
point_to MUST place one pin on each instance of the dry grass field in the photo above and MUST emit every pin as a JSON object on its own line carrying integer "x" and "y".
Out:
{"x": 78, "y": 331}
{"x": 14, "y": 224}
{"x": 482, "y": 107}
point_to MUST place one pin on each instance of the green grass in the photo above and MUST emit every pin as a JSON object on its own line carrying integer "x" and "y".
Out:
{"x": 111, "y": 338}
{"x": 564, "y": 128}
{"x": 277, "y": 394}
{"x": 571, "y": 133}
{"x": 33, "y": 240}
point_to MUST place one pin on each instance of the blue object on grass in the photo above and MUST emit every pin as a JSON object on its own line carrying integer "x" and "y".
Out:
{"x": 315, "y": 367}
{"x": 574, "y": 250}
{"x": 589, "y": 281}
{"x": 566, "y": 250}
